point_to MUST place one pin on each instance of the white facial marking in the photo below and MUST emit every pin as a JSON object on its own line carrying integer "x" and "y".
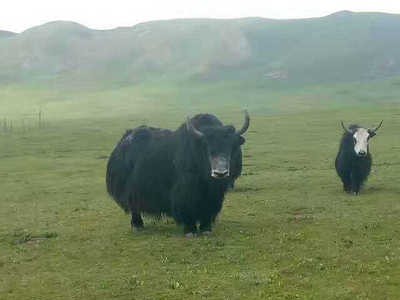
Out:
{"x": 361, "y": 141}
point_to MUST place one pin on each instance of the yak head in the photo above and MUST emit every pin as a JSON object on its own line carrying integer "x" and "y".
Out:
{"x": 361, "y": 138}
{"x": 218, "y": 143}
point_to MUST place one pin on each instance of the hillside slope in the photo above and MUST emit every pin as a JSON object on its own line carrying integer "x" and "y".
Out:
{"x": 344, "y": 46}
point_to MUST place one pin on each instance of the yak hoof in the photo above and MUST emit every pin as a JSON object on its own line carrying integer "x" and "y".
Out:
{"x": 137, "y": 228}
{"x": 190, "y": 235}
{"x": 206, "y": 232}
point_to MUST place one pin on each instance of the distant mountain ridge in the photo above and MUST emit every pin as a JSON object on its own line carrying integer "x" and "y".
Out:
{"x": 5, "y": 33}
{"x": 343, "y": 46}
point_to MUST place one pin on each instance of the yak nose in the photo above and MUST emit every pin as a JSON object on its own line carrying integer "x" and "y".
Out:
{"x": 220, "y": 173}
{"x": 219, "y": 167}
{"x": 362, "y": 153}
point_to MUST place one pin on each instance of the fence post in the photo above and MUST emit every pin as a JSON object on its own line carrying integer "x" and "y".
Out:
{"x": 40, "y": 118}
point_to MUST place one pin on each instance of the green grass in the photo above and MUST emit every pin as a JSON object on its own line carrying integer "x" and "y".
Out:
{"x": 286, "y": 232}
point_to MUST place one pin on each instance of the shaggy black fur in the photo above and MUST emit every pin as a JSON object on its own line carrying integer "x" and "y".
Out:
{"x": 159, "y": 171}
{"x": 352, "y": 169}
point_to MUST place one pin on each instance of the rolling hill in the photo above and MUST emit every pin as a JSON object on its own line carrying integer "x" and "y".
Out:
{"x": 6, "y": 34}
{"x": 341, "y": 47}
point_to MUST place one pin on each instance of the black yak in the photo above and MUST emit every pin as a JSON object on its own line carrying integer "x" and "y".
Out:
{"x": 353, "y": 161}
{"x": 184, "y": 173}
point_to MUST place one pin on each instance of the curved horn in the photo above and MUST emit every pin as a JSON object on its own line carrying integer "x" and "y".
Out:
{"x": 192, "y": 129}
{"x": 376, "y": 128}
{"x": 246, "y": 123}
{"x": 345, "y": 128}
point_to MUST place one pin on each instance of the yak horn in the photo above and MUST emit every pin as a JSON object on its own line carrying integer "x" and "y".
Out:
{"x": 376, "y": 128}
{"x": 246, "y": 123}
{"x": 345, "y": 128}
{"x": 191, "y": 128}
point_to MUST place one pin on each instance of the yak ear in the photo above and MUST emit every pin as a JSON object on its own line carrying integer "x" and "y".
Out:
{"x": 242, "y": 140}
{"x": 230, "y": 129}
{"x": 371, "y": 133}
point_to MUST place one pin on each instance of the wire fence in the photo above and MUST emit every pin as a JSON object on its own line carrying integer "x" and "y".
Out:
{"x": 23, "y": 124}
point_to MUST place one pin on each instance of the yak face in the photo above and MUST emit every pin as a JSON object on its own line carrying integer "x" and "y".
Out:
{"x": 218, "y": 142}
{"x": 361, "y": 137}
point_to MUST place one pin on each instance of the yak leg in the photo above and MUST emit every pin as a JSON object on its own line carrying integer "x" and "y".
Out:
{"x": 189, "y": 226}
{"x": 136, "y": 221}
{"x": 360, "y": 174}
{"x": 205, "y": 226}
{"x": 189, "y": 230}
{"x": 206, "y": 222}
{"x": 347, "y": 185}
{"x": 343, "y": 169}
{"x": 356, "y": 182}
{"x": 184, "y": 203}
{"x": 187, "y": 219}
{"x": 136, "y": 218}
{"x": 356, "y": 186}
{"x": 345, "y": 176}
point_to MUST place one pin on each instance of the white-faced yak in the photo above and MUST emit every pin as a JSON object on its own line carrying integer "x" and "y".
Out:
{"x": 184, "y": 173}
{"x": 353, "y": 161}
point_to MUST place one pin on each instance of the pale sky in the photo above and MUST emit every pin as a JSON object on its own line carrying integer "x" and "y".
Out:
{"x": 18, "y": 15}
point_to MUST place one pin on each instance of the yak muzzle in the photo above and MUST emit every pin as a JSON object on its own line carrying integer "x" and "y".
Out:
{"x": 362, "y": 153}
{"x": 219, "y": 167}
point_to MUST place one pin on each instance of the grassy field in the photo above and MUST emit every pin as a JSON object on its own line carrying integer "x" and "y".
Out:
{"x": 286, "y": 232}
